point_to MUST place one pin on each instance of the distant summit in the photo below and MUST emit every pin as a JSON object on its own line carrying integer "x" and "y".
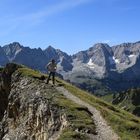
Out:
{"x": 12, "y": 49}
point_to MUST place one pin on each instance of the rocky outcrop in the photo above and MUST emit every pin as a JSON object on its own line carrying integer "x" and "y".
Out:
{"x": 5, "y": 86}
{"x": 27, "y": 108}
{"x": 33, "y": 110}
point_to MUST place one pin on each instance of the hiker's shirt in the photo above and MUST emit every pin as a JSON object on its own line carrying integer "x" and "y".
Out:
{"x": 51, "y": 67}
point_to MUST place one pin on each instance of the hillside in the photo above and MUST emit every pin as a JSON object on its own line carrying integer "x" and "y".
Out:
{"x": 129, "y": 100}
{"x": 30, "y": 109}
{"x": 38, "y": 111}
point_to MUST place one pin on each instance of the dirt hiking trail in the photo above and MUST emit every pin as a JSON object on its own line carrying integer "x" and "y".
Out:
{"x": 104, "y": 132}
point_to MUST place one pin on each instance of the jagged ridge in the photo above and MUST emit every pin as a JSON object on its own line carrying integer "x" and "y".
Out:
{"x": 100, "y": 69}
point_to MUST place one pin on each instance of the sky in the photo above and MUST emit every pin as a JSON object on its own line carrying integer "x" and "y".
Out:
{"x": 69, "y": 25}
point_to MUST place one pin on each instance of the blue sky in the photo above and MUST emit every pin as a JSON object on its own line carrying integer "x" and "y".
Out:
{"x": 69, "y": 25}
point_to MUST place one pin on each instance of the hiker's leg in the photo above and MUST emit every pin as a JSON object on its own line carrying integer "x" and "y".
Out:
{"x": 53, "y": 77}
{"x": 48, "y": 77}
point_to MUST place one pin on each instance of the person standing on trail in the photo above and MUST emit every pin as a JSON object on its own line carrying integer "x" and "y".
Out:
{"x": 51, "y": 67}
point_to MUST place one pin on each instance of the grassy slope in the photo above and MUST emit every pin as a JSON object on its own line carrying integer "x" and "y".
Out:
{"x": 126, "y": 125}
{"x": 78, "y": 116}
{"x": 108, "y": 98}
{"x": 29, "y": 72}
{"x": 129, "y": 100}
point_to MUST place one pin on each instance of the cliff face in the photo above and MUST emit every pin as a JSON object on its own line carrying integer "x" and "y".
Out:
{"x": 27, "y": 110}
{"x": 30, "y": 109}
{"x": 5, "y": 86}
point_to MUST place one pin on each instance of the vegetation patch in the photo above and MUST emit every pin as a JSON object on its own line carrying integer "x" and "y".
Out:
{"x": 31, "y": 73}
{"x": 126, "y": 125}
{"x": 69, "y": 134}
{"x": 1, "y": 68}
{"x": 79, "y": 119}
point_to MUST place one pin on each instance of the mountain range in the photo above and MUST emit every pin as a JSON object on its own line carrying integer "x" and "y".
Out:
{"x": 99, "y": 69}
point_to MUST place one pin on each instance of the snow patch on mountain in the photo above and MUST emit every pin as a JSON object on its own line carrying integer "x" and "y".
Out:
{"x": 91, "y": 64}
{"x": 17, "y": 51}
{"x": 113, "y": 60}
{"x": 117, "y": 61}
{"x": 132, "y": 55}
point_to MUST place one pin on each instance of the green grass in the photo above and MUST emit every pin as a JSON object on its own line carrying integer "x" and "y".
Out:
{"x": 71, "y": 135}
{"x": 30, "y": 73}
{"x": 129, "y": 100}
{"x": 126, "y": 125}
{"x": 78, "y": 118}
{"x": 107, "y": 98}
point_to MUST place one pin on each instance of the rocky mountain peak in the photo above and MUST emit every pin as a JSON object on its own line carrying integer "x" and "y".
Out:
{"x": 100, "y": 48}
{"x": 12, "y": 49}
{"x": 101, "y": 61}
{"x": 81, "y": 56}
{"x": 101, "y": 45}
{"x": 50, "y": 49}
{"x": 14, "y": 45}
{"x": 50, "y": 52}
{"x": 98, "y": 56}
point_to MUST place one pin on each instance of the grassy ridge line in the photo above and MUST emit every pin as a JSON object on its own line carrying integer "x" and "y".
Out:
{"x": 78, "y": 117}
{"x": 126, "y": 125}
{"x": 31, "y": 73}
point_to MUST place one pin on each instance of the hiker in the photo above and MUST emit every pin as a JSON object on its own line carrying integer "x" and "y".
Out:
{"x": 51, "y": 67}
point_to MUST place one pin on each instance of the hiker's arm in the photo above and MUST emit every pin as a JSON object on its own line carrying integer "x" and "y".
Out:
{"x": 47, "y": 66}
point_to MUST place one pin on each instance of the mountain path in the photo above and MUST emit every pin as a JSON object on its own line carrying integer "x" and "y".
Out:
{"x": 104, "y": 131}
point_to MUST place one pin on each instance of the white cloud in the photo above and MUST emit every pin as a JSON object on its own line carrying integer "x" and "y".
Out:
{"x": 59, "y": 7}
{"x": 35, "y": 18}
{"x": 49, "y": 10}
